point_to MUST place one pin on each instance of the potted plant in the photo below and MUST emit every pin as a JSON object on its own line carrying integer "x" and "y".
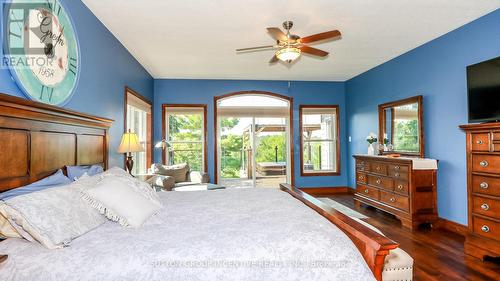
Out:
{"x": 386, "y": 143}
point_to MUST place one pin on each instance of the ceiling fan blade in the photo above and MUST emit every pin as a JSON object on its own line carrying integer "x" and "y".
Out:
{"x": 274, "y": 59}
{"x": 255, "y": 48}
{"x": 320, "y": 36}
{"x": 277, "y": 34}
{"x": 313, "y": 51}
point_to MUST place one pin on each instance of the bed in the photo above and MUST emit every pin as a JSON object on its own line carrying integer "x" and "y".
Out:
{"x": 216, "y": 235}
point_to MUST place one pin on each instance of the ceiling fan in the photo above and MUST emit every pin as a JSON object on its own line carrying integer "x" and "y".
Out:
{"x": 290, "y": 46}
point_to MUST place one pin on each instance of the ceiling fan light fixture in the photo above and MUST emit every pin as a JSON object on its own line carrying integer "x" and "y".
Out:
{"x": 288, "y": 54}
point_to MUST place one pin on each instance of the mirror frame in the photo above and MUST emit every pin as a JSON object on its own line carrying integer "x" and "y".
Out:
{"x": 382, "y": 123}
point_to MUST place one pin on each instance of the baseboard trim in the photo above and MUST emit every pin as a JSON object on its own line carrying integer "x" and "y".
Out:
{"x": 452, "y": 226}
{"x": 326, "y": 190}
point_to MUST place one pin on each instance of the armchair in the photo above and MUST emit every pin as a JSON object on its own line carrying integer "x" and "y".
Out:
{"x": 170, "y": 177}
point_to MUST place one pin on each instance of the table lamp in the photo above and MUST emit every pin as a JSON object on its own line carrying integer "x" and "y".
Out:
{"x": 130, "y": 143}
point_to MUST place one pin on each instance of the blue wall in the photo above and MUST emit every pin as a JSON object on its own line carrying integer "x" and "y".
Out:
{"x": 204, "y": 91}
{"x": 437, "y": 71}
{"x": 106, "y": 67}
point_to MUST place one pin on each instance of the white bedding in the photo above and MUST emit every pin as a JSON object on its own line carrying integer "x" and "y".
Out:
{"x": 233, "y": 234}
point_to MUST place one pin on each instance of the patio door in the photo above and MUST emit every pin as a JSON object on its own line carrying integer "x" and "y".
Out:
{"x": 253, "y": 146}
{"x": 270, "y": 151}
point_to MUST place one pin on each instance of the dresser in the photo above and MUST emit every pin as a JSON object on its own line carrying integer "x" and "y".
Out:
{"x": 404, "y": 187}
{"x": 483, "y": 189}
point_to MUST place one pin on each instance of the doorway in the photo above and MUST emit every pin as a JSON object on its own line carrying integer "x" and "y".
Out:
{"x": 253, "y": 133}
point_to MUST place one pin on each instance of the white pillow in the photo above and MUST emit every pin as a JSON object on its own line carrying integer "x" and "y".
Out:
{"x": 122, "y": 200}
{"x": 53, "y": 216}
{"x": 86, "y": 182}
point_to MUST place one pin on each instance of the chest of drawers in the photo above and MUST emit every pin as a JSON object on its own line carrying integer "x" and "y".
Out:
{"x": 394, "y": 186}
{"x": 483, "y": 189}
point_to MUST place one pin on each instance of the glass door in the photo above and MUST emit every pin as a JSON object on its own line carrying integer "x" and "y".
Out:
{"x": 236, "y": 153}
{"x": 253, "y": 141}
{"x": 270, "y": 143}
{"x": 253, "y": 151}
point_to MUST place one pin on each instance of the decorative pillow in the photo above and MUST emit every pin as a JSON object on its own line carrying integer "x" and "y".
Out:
{"x": 75, "y": 172}
{"x": 178, "y": 172}
{"x": 6, "y": 229}
{"x": 56, "y": 179}
{"x": 122, "y": 200}
{"x": 21, "y": 233}
{"x": 53, "y": 216}
{"x": 165, "y": 182}
{"x": 86, "y": 181}
{"x": 198, "y": 177}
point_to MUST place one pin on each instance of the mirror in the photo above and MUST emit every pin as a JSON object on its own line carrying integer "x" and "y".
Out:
{"x": 401, "y": 127}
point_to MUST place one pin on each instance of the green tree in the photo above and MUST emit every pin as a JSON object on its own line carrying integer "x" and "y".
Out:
{"x": 406, "y": 136}
{"x": 232, "y": 149}
{"x": 266, "y": 151}
{"x": 232, "y": 155}
{"x": 186, "y": 137}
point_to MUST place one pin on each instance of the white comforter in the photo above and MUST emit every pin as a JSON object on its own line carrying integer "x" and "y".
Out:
{"x": 239, "y": 234}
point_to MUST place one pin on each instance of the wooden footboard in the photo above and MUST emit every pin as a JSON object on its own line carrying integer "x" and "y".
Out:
{"x": 373, "y": 246}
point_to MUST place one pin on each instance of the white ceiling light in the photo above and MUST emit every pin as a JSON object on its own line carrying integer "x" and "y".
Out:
{"x": 288, "y": 54}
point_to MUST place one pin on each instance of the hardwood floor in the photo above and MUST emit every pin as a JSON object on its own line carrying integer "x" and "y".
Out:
{"x": 438, "y": 254}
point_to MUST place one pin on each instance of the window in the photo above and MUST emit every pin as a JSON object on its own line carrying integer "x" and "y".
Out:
{"x": 185, "y": 133}
{"x": 138, "y": 120}
{"x": 319, "y": 152}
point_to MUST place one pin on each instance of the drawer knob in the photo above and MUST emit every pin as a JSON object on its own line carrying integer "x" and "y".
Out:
{"x": 479, "y": 141}
{"x": 483, "y": 163}
{"x": 485, "y": 228}
{"x": 378, "y": 181}
{"x": 361, "y": 177}
{"x": 397, "y": 168}
{"x": 378, "y": 168}
{"x": 483, "y": 185}
{"x": 392, "y": 199}
{"x": 485, "y": 207}
{"x": 396, "y": 175}
{"x": 366, "y": 190}
{"x": 400, "y": 187}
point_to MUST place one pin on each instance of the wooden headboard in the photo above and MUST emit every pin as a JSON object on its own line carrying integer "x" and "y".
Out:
{"x": 37, "y": 139}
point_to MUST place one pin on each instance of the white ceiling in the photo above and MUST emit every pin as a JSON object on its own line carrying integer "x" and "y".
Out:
{"x": 197, "y": 38}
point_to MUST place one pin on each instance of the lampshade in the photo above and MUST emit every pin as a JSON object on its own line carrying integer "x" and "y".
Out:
{"x": 130, "y": 143}
{"x": 288, "y": 54}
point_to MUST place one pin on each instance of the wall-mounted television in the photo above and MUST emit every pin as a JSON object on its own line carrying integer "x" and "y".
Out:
{"x": 483, "y": 83}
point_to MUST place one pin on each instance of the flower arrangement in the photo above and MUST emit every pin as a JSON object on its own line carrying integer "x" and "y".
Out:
{"x": 371, "y": 138}
{"x": 386, "y": 140}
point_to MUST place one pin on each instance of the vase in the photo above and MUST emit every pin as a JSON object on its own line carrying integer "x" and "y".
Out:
{"x": 371, "y": 149}
{"x": 390, "y": 147}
